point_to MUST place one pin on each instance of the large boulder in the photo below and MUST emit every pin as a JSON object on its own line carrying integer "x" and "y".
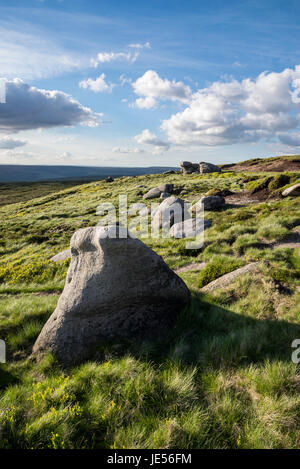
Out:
{"x": 156, "y": 192}
{"x": 171, "y": 210}
{"x": 188, "y": 168}
{"x": 208, "y": 168}
{"x": 292, "y": 191}
{"x": 116, "y": 288}
{"x": 189, "y": 228}
{"x": 210, "y": 202}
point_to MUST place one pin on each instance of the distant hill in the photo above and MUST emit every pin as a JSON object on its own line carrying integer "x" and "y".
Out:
{"x": 276, "y": 163}
{"x": 32, "y": 173}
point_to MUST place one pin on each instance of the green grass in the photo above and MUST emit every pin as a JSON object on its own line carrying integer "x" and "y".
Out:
{"x": 222, "y": 378}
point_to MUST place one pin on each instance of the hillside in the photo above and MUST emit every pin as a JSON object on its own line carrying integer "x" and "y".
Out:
{"x": 278, "y": 164}
{"x": 223, "y": 378}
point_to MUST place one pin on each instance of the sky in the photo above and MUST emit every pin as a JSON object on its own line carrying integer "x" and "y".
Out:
{"x": 94, "y": 83}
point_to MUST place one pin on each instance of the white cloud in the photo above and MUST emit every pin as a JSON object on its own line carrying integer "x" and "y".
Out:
{"x": 8, "y": 143}
{"x": 145, "y": 103}
{"x": 235, "y": 112}
{"x": 28, "y": 107}
{"x": 151, "y": 87}
{"x": 98, "y": 86}
{"x": 127, "y": 150}
{"x": 106, "y": 57}
{"x": 140, "y": 46}
{"x": 146, "y": 137}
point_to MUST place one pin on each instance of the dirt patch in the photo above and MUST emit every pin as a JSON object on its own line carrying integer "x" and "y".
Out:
{"x": 248, "y": 197}
{"x": 195, "y": 267}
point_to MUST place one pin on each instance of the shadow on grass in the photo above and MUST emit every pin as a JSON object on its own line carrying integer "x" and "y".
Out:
{"x": 210, "y": 335}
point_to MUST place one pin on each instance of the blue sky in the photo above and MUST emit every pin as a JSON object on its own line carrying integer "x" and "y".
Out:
{"x": 148, "y": 83}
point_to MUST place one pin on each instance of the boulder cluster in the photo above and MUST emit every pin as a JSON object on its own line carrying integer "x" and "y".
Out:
{"x": 200, "y": 168}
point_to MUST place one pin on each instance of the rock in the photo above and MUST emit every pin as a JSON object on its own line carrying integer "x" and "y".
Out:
{"x": 209, "y": 203}
{"x": 171, "y": 210}
{"x": 230, "y": 278}
{"x": 164, "y": 195}
{"x": 116, "y": 289}
{"x": 189, "y": 228}
{"x": 153, "y": 193}
{"x": 137, "y": 208}
{"x": 208, "y": 168}
{"x": 109, "y": 179}
{"x": 157, "y": 191}
{"x": 293, "y": 190}
{"x": 189, "y": 168}
{"x": 61, "y": 256}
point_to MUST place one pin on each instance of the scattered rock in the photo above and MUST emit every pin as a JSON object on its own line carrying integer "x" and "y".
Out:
{"x": 209, "y": 203}
{"x": 61, "y": 256}
{"x": 170, "y": 210}
{"x": 109, "y": 179}
{"x": 292, "y": 191}
{"x": 230, "y": 278}
{"x": 157, "y": 191}
{"x": 116, "y": 288}
{"x": 208, "y": 168}
{"x": 189, "y": 228}
{"x": 164, "y": 195}
{"x": 153, "y": 193}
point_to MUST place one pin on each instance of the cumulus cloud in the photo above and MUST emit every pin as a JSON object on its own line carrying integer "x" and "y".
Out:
{"x": 151, "y": 88}
{"x": 127, "y": 150}
{"x": 98, "y": 85}
{"x": 105, "y": 57}
{"x": 8, "y": 143}
{"x": 237, "y": 112}
{"x": 28, "y": 107}
{"x": 146, "y": 137}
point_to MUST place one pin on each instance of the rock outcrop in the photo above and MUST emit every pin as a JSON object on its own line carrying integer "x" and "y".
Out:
{"x": 292, "y": 191}
{"x": 116, "y": 288}
{"x": 210, "y": 202}
{"x": 188, "y": 168}
{"x": 189, "y": 228}
{"x": 171, "y": 210}
{"x": 208, "y": 168}
{"x": 156, "y": 192}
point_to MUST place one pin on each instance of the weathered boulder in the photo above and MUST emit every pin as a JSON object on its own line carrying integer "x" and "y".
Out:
{"x": 292, "y": 191}
{"x": 208, "y": 168}
{"x": 116, "y": 288}
{"x": 189, "y": 228}
{"x": 156, "y": 192}
{"x": 61, "y": 256}
{"x": 209, "y": 203}
{"x": 171, "y": 210}
{"x": 164, "y": 195}
{"x": 188, "y": 168}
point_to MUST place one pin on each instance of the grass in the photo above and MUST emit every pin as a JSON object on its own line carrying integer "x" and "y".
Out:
{"x": 223, "y": 378}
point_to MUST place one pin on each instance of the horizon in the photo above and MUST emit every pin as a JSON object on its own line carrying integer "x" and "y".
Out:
{"x": 141, "y": 85}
